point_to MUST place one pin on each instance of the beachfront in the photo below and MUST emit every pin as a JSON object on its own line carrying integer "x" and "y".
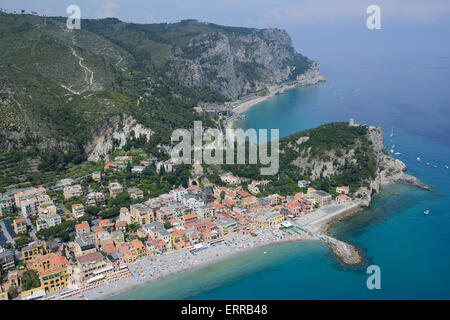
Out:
{"x": 155, "y": 268}
{"x": 159, "y": 267}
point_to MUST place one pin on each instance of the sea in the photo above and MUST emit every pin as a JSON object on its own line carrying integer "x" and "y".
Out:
{"x": 404, "y": 88}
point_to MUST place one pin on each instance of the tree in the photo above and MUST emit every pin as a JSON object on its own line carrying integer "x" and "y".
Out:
{"x": 30, "y": 280}
{"x": 13, "y": 292}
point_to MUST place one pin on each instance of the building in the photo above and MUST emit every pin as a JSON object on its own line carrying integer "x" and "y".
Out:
{"x": 141, "y": 214}
{"x": 3, "y": 293}
{"x": 27, "y": 194}
{"x": 206, "y": 212}
{"x": 123, "y": 160}
{"x": 20, "y": 225}
{"x": 226, "y": 226}
{"x": 135, "y": 193}
{"x": 73, "y": 191}
{"x": 91, "y": 263}
{"x": 133, "y": 251}
{"x": 64, "y": 183}
{"x": 78, "y": 210}
{"x": 6, "y": 205}
{"x": 342, "y": 198}
{"x": 323, "y": 198}
{"x": 96, "y": 176}
{"x": 95, "y": 199}
{"x": 125, "y": 215}
{"x": 192, "y": 201}
{"x": 266, "y": 218}
{"x": 254, "y": 186}
{"x": 54, "y": 271}
{"x": 343, "y": 190}
{"x": 110, "y": 166}
{"x": 304, "y": 183}
{"x": 228, "y": 178}
{"x": 137, "y": 169}
{"x": 167, "y": 165}
{"x": 82, "y": 228}
{"x": 107, "y": 225}
{"x": 7, "y": 261}
{"x": 47, "y": 221}
{"x": 31, "y": 206}
{"x": 189, "y": 218}
{"x": 84, "y": 245}
{"x": 121, "y": 226}
{"x": 115, "y": 188}
{"x": 33, "y": 250}
{"x": 178, "y": 193}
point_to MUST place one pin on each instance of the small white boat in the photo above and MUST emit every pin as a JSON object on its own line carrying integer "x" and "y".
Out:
{"x": 428, "y": 163}
{"x": 446, "y": 166}
{"x": 435, "y": 166}
{"x": 426, "y": 212}
{"x": 265, "y": 252}
{"x": 392, "y": 150}
{"x": 398, "y": 153}
{"x": 392, "y": 133}
{"x": 418, "y": 159}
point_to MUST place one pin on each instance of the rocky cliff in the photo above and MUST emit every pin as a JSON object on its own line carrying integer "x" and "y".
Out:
{"x": 343, "y": 154}
{"x": 236, "y": 63}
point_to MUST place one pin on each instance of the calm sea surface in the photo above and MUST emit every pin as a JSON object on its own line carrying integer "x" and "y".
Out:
{"x": 409, "y": 92}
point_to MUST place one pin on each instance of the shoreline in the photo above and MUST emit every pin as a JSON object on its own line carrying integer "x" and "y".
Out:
{"x": 311, "y": 77}
{"x": 344, "y": 252}
{"x": 202, "y": 265}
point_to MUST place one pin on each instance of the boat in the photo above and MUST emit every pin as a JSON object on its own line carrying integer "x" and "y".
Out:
{"x": 428, "y": 163}
{"x": 435, "y": 166}
{"x": 446, "y": 166}
{"x": 426, "y": 212}
{"x": 398, "y": 153}
{"x": 392, "y": 133}
{"x": 392, "y": 150}
{"x": 418, "y": 159}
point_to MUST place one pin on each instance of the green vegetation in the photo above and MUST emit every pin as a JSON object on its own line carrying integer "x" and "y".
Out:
{"x": 30, "y": 280}
{"x": 348, "y": 148}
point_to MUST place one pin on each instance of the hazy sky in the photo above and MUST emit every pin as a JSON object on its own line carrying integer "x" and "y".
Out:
{"x": 259, "y": 13}
{"x": 314, "y": 25}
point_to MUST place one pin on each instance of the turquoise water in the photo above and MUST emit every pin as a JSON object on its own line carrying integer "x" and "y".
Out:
{"x": 407, "y": 90}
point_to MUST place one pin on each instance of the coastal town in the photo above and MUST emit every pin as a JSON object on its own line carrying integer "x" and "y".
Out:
{"x": 55, "y": 245}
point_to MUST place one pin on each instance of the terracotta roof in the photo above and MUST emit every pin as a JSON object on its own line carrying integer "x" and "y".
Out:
{"x": 243, "y": 193}
{"x": 90, "y": 257}
{"x": 190, "y": 216}
{"x": 121, "y": 224}
{"x": 83, "y": 225}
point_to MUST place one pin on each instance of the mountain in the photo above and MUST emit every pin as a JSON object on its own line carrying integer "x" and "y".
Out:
{"x": 58, "y": 86}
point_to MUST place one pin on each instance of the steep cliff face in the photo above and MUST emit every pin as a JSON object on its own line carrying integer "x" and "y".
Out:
{"x": 236, "y": 63}
{"x": 113, "y": 134}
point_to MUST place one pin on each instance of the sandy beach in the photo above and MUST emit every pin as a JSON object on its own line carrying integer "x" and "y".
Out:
{"x": 154, "y": 268}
